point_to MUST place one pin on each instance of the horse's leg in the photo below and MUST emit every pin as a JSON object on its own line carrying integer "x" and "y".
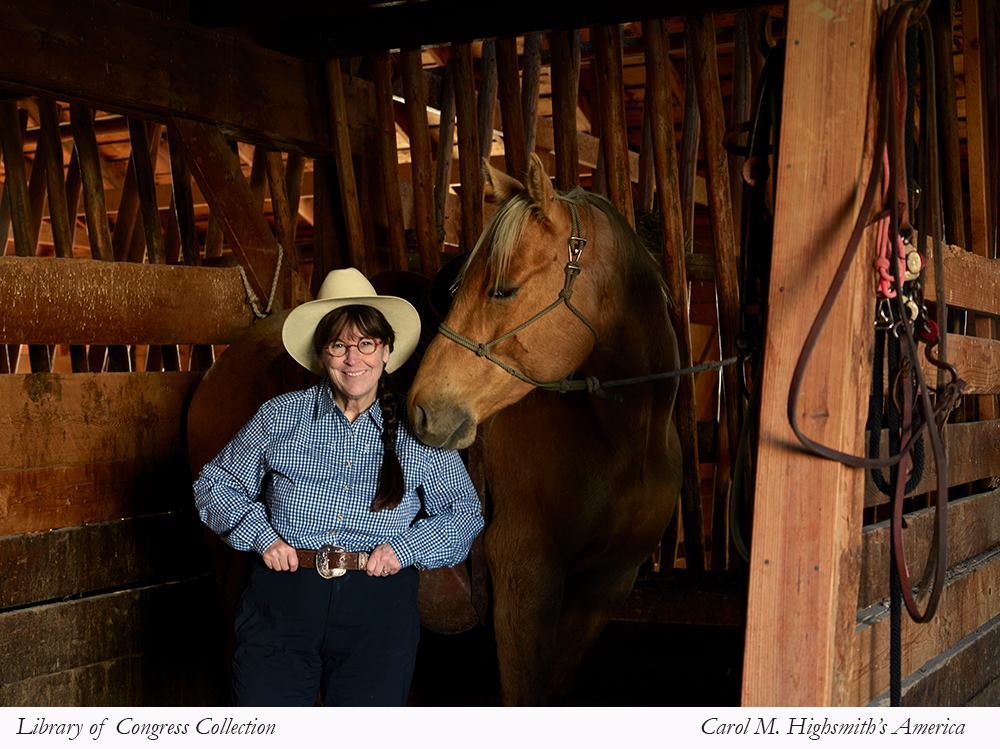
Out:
{"x": 589, "y": 601}
{"x": 527, "y": 596}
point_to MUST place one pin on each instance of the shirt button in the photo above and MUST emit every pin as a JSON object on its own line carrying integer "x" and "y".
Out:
{"x": 346, "y": 487}
{"x": 348, "y": 464}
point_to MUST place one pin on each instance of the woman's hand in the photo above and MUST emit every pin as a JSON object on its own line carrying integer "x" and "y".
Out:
{"x": 281, "y": 557}
{"x": 382, "y": 561}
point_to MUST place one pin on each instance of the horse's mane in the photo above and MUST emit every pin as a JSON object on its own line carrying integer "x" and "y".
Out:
{"x": 504, "y": 231}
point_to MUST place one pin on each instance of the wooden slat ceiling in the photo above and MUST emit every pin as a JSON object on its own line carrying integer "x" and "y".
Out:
{"x": 313, "y": 29}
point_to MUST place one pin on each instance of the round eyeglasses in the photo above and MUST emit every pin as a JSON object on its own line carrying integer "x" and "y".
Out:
{"x": 365, "y": 346}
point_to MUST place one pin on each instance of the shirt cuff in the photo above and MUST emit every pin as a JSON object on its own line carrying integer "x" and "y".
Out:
{"x": 403, "y": 551}
{"x": 265, "y": 538}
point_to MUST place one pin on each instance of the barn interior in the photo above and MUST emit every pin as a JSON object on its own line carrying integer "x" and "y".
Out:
{"x": 173, "y": 172}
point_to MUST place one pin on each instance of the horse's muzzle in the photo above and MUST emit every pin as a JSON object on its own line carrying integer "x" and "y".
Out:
{"x": 440, "y": 426}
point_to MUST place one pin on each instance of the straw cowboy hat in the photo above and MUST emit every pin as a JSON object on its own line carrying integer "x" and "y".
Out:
{"x": 341, "y": 288}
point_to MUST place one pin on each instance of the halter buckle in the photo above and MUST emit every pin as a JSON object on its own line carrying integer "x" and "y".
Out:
{"x": 576, "y": 245}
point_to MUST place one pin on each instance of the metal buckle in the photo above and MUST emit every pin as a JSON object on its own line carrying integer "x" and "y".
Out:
{"x": 323, "y": 562}
{"x": 330, "y": 562}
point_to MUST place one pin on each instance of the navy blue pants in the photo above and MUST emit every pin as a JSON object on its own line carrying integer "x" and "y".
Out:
{"x": 350, "y": 640}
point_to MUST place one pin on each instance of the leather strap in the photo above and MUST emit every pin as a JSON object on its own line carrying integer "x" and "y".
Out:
{"x": 341, "y": 560}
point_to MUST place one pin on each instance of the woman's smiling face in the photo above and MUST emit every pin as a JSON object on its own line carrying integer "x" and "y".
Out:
{"x": 354, "y": 375}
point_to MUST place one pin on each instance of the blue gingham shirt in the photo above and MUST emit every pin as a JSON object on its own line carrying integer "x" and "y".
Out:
{"x": 299, "y": 470}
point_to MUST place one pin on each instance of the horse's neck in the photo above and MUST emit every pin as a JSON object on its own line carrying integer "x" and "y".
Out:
{"x": 626, "y": 350}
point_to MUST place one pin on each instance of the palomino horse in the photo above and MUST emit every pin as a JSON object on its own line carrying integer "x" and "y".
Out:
{"x": 580, "y": 486}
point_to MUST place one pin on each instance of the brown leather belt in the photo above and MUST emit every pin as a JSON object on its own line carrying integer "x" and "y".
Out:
{"x": 332, "y": 561}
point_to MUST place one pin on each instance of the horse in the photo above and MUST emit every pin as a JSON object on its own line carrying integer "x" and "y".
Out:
{"x": 581, "y": 484}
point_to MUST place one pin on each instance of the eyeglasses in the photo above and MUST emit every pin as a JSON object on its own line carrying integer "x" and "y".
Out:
{"x": 365, "y": 346}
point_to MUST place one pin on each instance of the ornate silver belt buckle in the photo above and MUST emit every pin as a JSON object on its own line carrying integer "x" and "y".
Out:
{"x": 323, "y": 562}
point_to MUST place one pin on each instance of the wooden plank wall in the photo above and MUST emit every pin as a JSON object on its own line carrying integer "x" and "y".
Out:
{"x": 108, "y": 596}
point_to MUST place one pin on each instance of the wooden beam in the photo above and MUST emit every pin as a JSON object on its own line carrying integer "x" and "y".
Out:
{"x": 614, "y": 129}
{"x": 565, "y": 67}
{"x": 981, "y": 241}
{"x": 161, "y": 68}
{"x": 347, "y": 183}
{"x": 100, "y": 556}
{"x": 98, "y": 230}
{"x": 16, "y": 178}
{"x": 142, "y": 165}
{"x": 217, "y": 171}
{"x": 967, "y": 603}
{"x": 48, "y": 650}
{"x": 973, "y": 529}
{"x": 509, "y": 87}
{"x": 284, "y": 221}
{"x": 803, "y": 558}
{"x": 386, "y": 153}
{"x": 724, "y": 235}
{"x": 415, "y": 93}
{"x": 965, "y": 675}
{"x": 971, "y": 281}
{"x": 86, "y": 448}
{"x": 675, "y": 273}
{"x": 468, "y": 146}
{"x": 55, "y": 300}
{"x": 531, "y": 70}
{"x": 446, "y": 147}
{"x": 973, "y": 454}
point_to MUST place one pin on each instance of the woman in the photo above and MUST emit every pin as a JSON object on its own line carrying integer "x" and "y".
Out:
{"x": 331, "y": 478}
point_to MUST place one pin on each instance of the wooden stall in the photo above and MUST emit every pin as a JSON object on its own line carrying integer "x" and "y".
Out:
{"x": 173, "y": 174}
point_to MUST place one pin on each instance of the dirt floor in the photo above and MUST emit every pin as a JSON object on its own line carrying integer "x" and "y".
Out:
{"x": 632, "y": 665}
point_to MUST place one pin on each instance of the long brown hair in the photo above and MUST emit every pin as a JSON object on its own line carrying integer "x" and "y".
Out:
{"x": 372, "y": 323}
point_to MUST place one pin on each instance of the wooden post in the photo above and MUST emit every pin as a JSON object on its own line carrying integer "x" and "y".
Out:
{"x": 145, "y": 180}
{"x": 345, "y": 166}
{"x": 470, "y": 167}
{"x": 514, "y": 144}
{"x": 614, "y": 130}
{"x": 61, "y": 218}
{"x": 85, "y": 140}
{"x": 942, "y": 26}
{"x": 690, "y": 136}
{"x": 565, "y": 68}
{"x": 531, "y": 68}
{"x": 661, "y": 128}
{"x": 721, "y": 213}
{"x": 807, "y": 515}
{"x": 49, "y": 141}
{"x": 487, "y": 98}
{"x": 385, "y": 115}
{"x": 446, "y": 145}
{"x": 16, "y": 178}
{"x": 981, "y": 239}
{"x": 415, "y": 93}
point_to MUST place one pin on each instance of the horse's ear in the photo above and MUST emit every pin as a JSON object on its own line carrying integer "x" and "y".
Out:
{"x": 499, "y": 185}
{"x": 540, "y": 186}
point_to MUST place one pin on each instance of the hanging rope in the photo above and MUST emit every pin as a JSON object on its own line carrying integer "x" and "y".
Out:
{"x": 252, "y": 299}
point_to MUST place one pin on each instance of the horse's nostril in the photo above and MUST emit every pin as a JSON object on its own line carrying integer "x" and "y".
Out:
{"x": 419, "y": 420}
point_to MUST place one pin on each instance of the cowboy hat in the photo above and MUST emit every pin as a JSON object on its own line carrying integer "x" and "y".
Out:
{"x": 341, "y": 288}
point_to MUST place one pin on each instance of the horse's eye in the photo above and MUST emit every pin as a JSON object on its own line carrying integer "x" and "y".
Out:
{"x": 505, "y": 293}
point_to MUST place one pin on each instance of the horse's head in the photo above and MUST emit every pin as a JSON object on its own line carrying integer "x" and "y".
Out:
{"x": 486, "y": 356}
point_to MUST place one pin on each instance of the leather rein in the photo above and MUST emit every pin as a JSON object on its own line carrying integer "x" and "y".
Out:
{"x": 576, "y": 244}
